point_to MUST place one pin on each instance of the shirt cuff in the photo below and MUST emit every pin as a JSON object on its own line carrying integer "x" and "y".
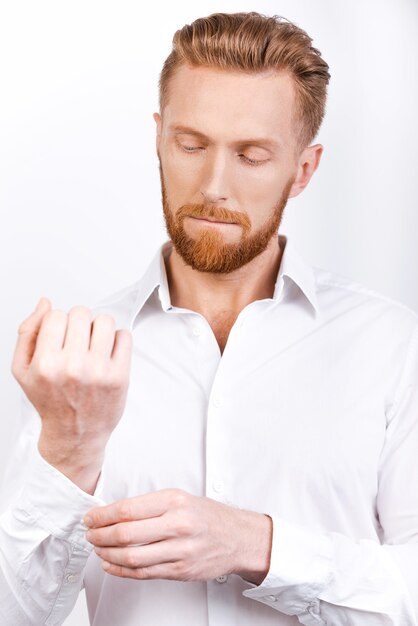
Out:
{"x": 300, "y": 569}
{"x": 56, "y": 503}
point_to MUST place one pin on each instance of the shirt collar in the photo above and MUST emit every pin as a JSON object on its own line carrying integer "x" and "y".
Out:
{"x": 155, "y": 277}
{"x": 292, "y": 266}
{"x": 299, "y": 273}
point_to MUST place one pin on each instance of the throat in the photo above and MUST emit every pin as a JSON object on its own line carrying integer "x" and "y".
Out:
{"x": 221, "y": 327}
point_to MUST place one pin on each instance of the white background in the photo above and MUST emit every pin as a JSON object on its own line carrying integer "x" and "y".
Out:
{"x": 79, "y": 185}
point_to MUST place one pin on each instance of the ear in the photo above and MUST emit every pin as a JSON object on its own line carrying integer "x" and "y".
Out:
{"x": 307, "y": 164}
{"x": 158, "y": 121}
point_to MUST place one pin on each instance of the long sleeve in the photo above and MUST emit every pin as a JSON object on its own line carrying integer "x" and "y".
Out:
{"x": 43, "y": 550}
{"x": 332, "y": 579}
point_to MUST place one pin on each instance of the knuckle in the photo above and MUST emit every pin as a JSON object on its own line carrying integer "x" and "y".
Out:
{"x": 141, "y": 573}
{"x": 123, "y": 534}
{"x": 111, "y": 382}
{"x": 116, "y": 381}
{"x": 184, "y": 526}
{"x": 187, "y": 550}
{"x": 178, "y": 567}
{"x": 44, "y": 370}
{"x": 80, "y": 311}
{"x": 54, "y": 317}
{"x": 105, "y": 320}
{"x": 131, "y": 558}
{"x": 125, "y": 510}
{"x": 97, "y": 375}
{"x": 101, "y": 375}
{"x": 74, "y": 373}
{"x": 125, "y": 335}
{"x": 178, "y": 498}
{"x": 183, "y": 570}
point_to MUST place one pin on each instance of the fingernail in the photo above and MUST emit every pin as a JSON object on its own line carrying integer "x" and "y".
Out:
{"x": 87, "y": 521}
{"x": 105, "y": 565}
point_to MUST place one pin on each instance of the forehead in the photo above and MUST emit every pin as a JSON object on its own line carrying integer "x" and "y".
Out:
{"x": 225, "y": 104}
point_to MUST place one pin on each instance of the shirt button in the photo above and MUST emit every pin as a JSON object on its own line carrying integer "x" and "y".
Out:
{"x": 197, "y": 331}
{"x": 217, "y": 485}
{"x": 221, "y": 579}
{"x": 216, "y": 402}
{"x": 270, "y": 598}
{"x": 71, "y": 578}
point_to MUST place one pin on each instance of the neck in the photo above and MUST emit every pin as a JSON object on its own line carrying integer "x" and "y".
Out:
{"x": 214, "y": 295}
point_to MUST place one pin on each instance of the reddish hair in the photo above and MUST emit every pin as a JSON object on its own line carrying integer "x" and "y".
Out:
{"x": 252, "y": 42}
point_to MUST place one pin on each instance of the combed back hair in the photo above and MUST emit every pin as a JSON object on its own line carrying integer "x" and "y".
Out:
{"x": 253, "y": 43}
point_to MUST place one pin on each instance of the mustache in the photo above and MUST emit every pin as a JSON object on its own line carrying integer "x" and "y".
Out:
{"x": 220, "y": 214}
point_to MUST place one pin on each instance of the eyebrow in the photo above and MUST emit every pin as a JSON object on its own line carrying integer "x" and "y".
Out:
{"x": 263, "y": 142}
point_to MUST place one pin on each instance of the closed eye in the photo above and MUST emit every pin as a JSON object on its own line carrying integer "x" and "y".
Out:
{"x": 252, "y": 161}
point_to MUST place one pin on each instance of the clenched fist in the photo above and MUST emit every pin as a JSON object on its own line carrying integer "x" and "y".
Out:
{"x": 75, "y": 371}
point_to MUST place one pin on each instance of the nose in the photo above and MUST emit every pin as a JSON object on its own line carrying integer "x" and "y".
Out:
{"x": 214, "y": 186}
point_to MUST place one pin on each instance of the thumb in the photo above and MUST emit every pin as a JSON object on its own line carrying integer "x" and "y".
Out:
{"x": 27, "y": 335}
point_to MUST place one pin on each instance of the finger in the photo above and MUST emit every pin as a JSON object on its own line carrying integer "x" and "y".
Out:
{"x": 77, "y": 336}
{"x": 141, "y": 556}
{"x": 27, "y": 336}
{"x": 166, "y": 571}
{"x": 128, "y": 533}
{"x": 51, "y": 334}
{"x": 103, "y": 336}
{"x": 139, "y": 507}
{"x": 122, "y": 350}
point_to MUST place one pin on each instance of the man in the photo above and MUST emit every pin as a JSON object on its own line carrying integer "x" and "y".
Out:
{"x": 260, "y": 469}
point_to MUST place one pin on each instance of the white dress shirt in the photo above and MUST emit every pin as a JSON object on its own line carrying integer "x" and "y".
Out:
{"x": 310, "y": 415}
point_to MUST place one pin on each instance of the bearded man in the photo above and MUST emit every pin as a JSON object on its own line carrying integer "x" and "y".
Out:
{"x": 260, "y": 468}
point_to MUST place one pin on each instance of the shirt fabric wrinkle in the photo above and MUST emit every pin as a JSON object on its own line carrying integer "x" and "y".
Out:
{"x": 292, "y": 420}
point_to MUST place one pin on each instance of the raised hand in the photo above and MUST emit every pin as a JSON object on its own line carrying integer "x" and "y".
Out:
{"x": 75, "y": 371}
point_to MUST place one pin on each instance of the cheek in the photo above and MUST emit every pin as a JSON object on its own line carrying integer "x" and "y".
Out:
{"x": 259, "y": 198}
{"x": 181, "y": 178}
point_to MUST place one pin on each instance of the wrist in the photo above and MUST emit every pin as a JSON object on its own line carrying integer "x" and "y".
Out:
{"x": 78, "y": 461}
{"x": 255, "y": 548}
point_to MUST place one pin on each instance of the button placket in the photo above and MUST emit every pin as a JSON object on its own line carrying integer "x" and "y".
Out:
{"x": 197, "y": 325}
{"x": 217, "y": 405}
{"x": 216, "y": 401}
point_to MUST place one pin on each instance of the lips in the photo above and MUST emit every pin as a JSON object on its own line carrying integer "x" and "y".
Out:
{"x": 212, "y": 219}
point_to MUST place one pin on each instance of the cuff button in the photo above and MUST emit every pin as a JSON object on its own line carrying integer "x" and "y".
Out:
{"x": 71, "y": 578}
{"x": 221, "y": 579}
